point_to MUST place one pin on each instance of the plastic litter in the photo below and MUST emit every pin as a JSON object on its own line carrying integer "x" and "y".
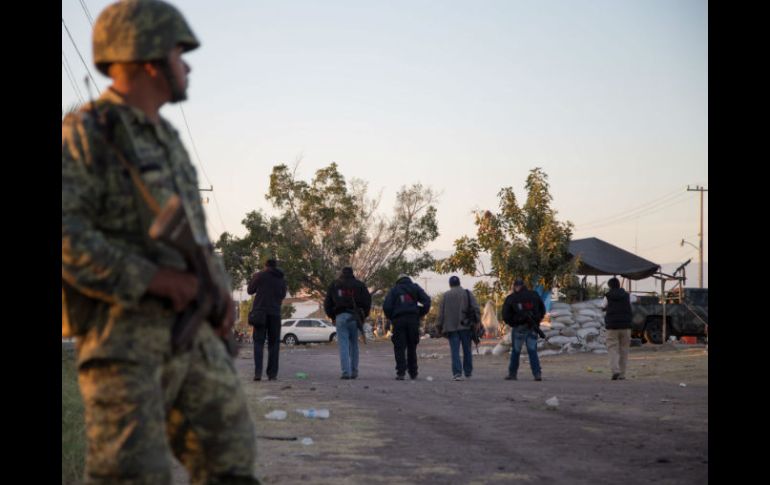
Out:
{"x": 277, "y": 415}
{"x": 300, "y": 375}
{"x": 552, "y": 403}
{"x": 313, "y": 413}
{"x": 307, "y": 441}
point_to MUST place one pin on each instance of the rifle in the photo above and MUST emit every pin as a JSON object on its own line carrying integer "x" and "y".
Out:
{"x": 535, "y": 325}
{"x": 359, "y": 314}
{"x": 172, "y": 227}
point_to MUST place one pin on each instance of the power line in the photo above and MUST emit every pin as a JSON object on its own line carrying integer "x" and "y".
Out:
{"x": 67, "y": 70}
{"x": 635, "y": 215}
{"x": 79, "y": 55}
{"x": 88, "y": 14}
{"x": 200, "y": 163}
{"x": 632, "y": 209}
{"x": 647, "y": 248}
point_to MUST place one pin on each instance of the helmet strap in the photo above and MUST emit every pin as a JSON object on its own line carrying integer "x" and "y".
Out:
{"x": 177, "y": 93}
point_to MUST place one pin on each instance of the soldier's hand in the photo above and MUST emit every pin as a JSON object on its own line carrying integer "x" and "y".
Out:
{"x": 180, "y": 287}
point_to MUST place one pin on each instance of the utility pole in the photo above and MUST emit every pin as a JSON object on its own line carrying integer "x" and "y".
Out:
{"x": 700, "y": 246}
{"x": 205, "y": 200}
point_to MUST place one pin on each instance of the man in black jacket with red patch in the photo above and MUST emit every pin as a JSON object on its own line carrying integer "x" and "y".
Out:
{"x": 348, "y": 303}
{"x": 401, "y": 306}
{"x": 523, "y": 310}
{"x": 269, "y": 289}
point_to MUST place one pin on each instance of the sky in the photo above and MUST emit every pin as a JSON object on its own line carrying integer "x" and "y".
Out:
{"x": 609, "y": 98}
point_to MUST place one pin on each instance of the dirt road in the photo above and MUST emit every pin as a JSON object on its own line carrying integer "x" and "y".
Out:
{"x": 646, "y": 429}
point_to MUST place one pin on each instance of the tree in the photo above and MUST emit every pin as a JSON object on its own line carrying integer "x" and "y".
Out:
{"x": 326, "y": 224}
{"x": 526, "y": 242}
{"x": 287, "y": 310}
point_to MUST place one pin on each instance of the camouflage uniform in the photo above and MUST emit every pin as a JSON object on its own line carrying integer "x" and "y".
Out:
{"x": 141, "y": 402}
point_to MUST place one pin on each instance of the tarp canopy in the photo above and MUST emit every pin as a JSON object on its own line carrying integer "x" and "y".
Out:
{"x": 602, "y": 258}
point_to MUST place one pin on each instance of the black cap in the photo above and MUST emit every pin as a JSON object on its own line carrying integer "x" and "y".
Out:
{"x": 518, "y": 282}
{"x": 454, "y": 281}
{"x": 347, "y": 271}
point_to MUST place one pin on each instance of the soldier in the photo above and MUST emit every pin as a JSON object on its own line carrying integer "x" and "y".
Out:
{"x": 122, "y": 291}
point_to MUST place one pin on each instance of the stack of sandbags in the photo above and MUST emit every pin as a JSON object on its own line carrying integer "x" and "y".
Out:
{"x": 589, "y": 317}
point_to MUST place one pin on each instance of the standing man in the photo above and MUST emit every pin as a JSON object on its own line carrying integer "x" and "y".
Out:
{"x": 455, "y": 320}
{"x": 347, "y": 304}
{"x": 123, "y": 292}
{"x": 269, "y": 289}
{"x": 401, "y": 306}
{"x": 523, "y": 310}
{"x": 617, "y": 303}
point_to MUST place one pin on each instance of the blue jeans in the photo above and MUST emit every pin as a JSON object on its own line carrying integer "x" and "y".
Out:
{"x": 455, "y": 339}
{"x": 347, "y": 342}
{"x": 521, "y": 334}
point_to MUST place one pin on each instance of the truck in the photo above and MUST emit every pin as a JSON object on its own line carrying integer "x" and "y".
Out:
{"x": 686, "y": 311}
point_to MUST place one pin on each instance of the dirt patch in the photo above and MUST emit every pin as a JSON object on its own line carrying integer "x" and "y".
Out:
{"x": 645, "y": 429}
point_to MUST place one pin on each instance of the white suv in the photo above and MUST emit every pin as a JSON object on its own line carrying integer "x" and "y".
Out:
{"x": 302, "y": 330}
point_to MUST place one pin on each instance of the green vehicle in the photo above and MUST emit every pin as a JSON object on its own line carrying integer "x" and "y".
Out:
{"x": 686, "y": 311}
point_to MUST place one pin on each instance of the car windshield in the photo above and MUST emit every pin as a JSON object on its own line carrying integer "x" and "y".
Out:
{"x": 288, "y": 323}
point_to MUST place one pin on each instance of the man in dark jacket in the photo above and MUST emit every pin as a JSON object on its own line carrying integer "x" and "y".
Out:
{"x": 269, "y": 289}
{"x": 523, "y": 310}
{"x": 617, "y": 320}
{"x": 348, "y": 303}
{"x": 401, "y": 306}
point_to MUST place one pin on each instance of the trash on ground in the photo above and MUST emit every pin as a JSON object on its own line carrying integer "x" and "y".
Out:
{"x": 277, "y": 415}
{"x": 552, "y": 403}
{"x": 314, "y": 413}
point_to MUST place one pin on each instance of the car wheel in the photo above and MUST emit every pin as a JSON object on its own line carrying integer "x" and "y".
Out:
{"x": 333, "y": 337}
{"x": 290, "y": 340}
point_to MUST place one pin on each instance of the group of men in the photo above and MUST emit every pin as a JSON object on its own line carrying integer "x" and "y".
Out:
{"x": 348, "y": 304}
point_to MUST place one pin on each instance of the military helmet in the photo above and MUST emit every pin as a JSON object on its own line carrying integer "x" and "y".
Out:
{"x": 139, "y": 30}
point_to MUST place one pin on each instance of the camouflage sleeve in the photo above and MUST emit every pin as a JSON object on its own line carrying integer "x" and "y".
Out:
{"x": 90, "y": 263}
{"x": 221, "y": 275}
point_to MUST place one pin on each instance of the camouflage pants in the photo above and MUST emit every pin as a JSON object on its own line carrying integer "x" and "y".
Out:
{"x": 192, "y": 405}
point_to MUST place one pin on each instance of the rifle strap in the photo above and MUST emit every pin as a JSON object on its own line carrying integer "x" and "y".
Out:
{"x": 139, "y": 184}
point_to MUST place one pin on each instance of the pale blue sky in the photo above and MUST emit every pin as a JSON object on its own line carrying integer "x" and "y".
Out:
{"x": 610, "y": 98}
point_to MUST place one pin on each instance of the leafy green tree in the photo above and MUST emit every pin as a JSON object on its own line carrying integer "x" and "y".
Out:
{"x": 328, "y": 223}
{"x": 523, "y": 241}
{"x": 287, "y": 310}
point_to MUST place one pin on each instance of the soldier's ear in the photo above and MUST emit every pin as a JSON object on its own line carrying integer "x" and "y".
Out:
{"x": 151, "y": 69}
